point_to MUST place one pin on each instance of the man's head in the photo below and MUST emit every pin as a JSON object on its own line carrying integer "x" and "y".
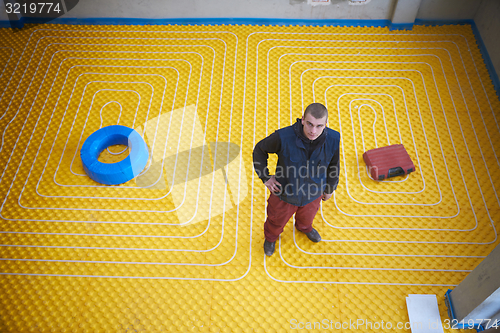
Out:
{"x": 314, "y": 120}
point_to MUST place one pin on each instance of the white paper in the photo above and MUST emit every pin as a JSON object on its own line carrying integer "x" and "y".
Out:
{"x": 424, "y": 314}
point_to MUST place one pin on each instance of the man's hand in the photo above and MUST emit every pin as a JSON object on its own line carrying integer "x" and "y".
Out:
{"x": 326, "y": 196}
{"x": 273, "y": 185}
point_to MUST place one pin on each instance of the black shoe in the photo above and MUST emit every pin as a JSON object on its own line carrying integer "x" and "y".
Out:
{"x": 314, "y": 236}
{"x": 269, "y": 248}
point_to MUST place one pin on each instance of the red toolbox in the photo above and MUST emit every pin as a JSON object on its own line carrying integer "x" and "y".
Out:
{"x": 387, "y": 162}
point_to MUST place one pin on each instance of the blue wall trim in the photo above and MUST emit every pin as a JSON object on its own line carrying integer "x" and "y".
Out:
{"x": 219, "y": 21}
{"x": 400, "y": 26}
{"x": 269, "y": 21}
{"x": 442, "y": 22}
{"x": 199, "y": 21}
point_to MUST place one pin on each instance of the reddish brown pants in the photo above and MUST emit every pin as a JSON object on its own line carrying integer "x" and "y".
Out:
{"x": 279, "y": 212}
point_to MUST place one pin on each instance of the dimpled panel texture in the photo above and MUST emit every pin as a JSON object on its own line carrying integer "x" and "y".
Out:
{"x": 179, "y": 248}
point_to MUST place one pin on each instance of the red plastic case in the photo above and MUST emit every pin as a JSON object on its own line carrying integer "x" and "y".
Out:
{"x": 387, "y": 162}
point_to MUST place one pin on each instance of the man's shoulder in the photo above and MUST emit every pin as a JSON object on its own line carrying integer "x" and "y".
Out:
{"x": 333, "y": 133}
{"x": 286, "y": 131}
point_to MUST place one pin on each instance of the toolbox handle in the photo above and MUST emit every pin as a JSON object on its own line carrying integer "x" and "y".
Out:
{"x": 393, "y": 172}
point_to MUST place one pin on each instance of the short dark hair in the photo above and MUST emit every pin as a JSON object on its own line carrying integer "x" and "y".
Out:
{"x": 317, "y": 110}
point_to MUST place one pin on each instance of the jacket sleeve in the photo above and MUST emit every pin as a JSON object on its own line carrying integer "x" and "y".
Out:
{"x": 266, "y": 146}
{"x": 332, "y": 178}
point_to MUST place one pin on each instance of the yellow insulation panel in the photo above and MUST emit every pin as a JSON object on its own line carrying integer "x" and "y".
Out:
{"x": 179, "y": 248}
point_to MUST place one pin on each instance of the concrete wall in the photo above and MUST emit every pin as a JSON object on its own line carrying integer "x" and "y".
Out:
{"x": 487, "y": 22}
{"x": 448, "y": 9}
{"x": 292, "y": 9}
{"x": 3, "y": 16}
{"x": 405, "y": 11}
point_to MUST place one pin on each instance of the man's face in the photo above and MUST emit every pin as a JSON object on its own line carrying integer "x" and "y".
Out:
{"x": 313, "y": 127}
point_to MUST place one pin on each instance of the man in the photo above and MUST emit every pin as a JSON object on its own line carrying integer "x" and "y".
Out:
{"x": 306, "y": 173}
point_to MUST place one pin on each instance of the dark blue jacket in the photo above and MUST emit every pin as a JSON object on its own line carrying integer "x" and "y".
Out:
{"x": 303, "y": 179}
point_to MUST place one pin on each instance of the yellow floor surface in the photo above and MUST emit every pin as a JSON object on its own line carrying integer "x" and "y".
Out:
{"x": 179, "y": 248}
